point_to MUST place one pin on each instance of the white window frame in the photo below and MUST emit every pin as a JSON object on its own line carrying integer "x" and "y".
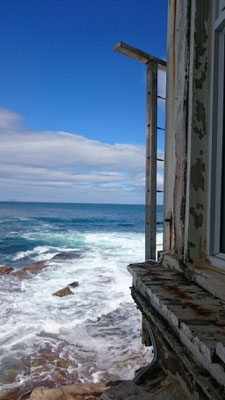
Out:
{"x": 217, "y": 131}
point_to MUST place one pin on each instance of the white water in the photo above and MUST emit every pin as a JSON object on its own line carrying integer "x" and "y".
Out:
{"x": 98, "y": 329}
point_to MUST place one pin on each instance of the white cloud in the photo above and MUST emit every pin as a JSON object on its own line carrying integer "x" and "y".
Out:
{"x": 60, "y": 166}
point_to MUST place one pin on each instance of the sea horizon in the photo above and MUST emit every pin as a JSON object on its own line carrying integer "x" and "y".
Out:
{"x": 65, "y": 202}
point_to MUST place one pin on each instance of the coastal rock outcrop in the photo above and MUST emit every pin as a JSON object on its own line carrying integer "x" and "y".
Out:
{"x": 66, "y": 291}
{"x": 5, "y": 270}
{"x": 31, "y": 269}
{"x": 63, "y": 256}
{"x": 73, "y": 284}
{"x": 85, "y": 391}
{"x": 38, "y": 266}
{"x": 126, "y": 390}
{"x": 63, "y": 292}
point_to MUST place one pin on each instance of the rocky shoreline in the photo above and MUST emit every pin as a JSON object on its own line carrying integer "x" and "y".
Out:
{"x": 37, "y": 266}
{"x": 42, "y": 361}
{"x": 156, "y": 384}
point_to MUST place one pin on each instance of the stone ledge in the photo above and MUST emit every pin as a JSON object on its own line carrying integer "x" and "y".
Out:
{"x": 195, "y": 316}
{"x": 175, "y": 359}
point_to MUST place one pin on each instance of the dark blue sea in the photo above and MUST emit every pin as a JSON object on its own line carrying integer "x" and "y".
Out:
{"x": 91, "y": 335}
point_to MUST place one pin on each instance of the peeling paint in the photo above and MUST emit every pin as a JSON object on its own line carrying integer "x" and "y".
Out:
{"x": 197, "y": 174}
{"x": 201, "y": 35}
{"x": 200, "y": 81}
{"x": 199, "y": 206}
{"x": 200, "y": 121}
{"x": 198, "y": 218}
{"x": 190, "y": 247}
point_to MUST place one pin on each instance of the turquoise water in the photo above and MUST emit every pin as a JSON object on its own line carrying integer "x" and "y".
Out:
{"x": 97, "y": 330}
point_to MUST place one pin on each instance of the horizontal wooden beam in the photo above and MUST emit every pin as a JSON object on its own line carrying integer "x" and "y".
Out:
{"x": 138, "y": 55}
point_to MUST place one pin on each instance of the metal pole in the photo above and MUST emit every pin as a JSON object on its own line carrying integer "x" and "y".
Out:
{"x": 151, "y": 167}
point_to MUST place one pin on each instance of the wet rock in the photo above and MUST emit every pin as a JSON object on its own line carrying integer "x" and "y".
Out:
{"x": 61, "y": 363}
{"x": 48, "y": 355}
{"x": 126, "y": 390}
{"x": 63, "y": 292}
{"x": 9, "y": 377}
{"x": 86, "y": 391}
{"x": 39, "y": 362}
{"x": 73, "y": 284}
{"x": 63, "y": 256}
{"x": 66, "y": 291}
{"x": 31, "y": 269}
{"x": 13, "y": 394}
{"x": 11, "y": 370}
{"x": 5, "y": 270}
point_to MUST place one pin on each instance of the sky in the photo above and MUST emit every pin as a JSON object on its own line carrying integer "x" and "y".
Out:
{"x": 72, "y": 111}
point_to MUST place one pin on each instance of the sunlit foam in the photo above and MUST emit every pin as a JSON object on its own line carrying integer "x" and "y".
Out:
{"x": 97, "y": 329}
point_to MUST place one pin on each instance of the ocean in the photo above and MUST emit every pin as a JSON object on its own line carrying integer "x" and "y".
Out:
{"x": 92, "y": 335}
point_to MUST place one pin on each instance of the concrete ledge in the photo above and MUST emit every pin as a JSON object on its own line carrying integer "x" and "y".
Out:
{"x": 196, "y": 317}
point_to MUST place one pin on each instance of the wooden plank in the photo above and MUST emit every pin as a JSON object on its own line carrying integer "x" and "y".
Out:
{"x": 151, "y": 163}
{"x": 138, "y": 55}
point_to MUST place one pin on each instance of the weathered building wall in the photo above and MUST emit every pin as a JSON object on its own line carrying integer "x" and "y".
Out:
{"x": 198, "y": 134}
{"x": 169, "y": 170}
{"x": 176, "y": 122}
{"x": 188, "y": 321}
{"x": 187, "y": 127}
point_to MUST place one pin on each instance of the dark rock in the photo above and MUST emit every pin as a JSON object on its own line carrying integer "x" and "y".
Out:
{"x": 73, "y": 284}
{"x": 10, "y": 394}
{"x": 63, "y": 292}
{"x": 114, "y": 383}
{"x": 126, "y": 390}
{"x": 61, "y": 363}
{"x": 65, "y": 256}
{"x": 31, "y": 269}
{"x": 5, "y": 270}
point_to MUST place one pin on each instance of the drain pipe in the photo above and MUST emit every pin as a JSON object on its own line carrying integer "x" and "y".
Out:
{"x": 150, "y": 331}
{"x": 155, "y": 354}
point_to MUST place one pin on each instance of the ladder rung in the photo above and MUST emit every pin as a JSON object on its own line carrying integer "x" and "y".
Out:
{"x": 160, "y": 97}
{"x": 160, "y": 129}
{"x": 159, "y": 244}
{"x": 160, "y": 159}
{"x": 159, "y": 223}
{"x": 159, "y": 191}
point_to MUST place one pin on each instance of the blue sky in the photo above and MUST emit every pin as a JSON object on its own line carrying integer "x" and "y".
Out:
{"x": 59, "y": 73}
